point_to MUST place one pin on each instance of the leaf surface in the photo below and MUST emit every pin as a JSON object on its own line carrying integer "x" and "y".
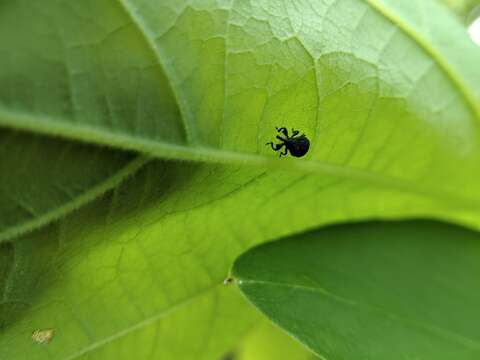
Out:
{"x": 372, "y": 290}
{"x": 390, "y": 109}
{"x": 373, "y": 84}
{"x": 113, "y": 284}
{"x": 153, "y": 256}
{"x": 43, "y": 179}
{"x": 78, "y": 63}
{"x": 267, "y": 342}
{"x": 121, "y": 84}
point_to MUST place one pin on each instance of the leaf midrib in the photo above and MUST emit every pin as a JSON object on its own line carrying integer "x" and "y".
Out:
{"x": 155, "y": 149}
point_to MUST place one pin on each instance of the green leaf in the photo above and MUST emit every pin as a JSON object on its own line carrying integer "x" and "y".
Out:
{"x": 154, "y": 255}
{"x": 44, "y": 179}
{"x": 388, "y": 104}
{"x": 112, "y": 84}
{"x": 373, "y": 84}
{"x": 82, "y": 66}
{"x": 124, "y": 277}
{"x": 77, "y": 63}
{"x": 372, "y": 290}
{"x": 267, "y": 342}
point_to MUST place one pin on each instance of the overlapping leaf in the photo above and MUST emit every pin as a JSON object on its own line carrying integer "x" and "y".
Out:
{"x": 372, "y": 291}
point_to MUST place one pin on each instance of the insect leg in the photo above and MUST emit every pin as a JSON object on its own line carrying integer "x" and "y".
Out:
{"x": 275, "y": 147}
{"x": 271, "y": 144}
{"x": 283, "y": 130}
{"x": 284, "y": 152}
{"x": 295, "y": 132}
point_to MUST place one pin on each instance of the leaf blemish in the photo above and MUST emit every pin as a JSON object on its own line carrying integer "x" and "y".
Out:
{"x": 43, "y": 336}
{"x": 228, "y": 281}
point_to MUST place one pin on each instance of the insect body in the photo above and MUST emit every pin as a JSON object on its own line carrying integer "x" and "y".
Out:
{"x": 297, "y": 145}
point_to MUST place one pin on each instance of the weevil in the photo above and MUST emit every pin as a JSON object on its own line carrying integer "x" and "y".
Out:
{"x": 297, "y": 145}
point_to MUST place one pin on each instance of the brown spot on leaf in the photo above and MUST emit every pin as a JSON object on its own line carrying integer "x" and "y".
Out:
{"x": 43, "y": 336}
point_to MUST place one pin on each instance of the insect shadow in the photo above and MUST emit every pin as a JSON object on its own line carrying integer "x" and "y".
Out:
{"x": 297, "y": 145}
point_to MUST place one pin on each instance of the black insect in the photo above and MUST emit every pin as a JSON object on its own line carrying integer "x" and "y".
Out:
{"x": 297, "y": 145}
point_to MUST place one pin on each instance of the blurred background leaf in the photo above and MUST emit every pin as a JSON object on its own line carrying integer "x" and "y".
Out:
{"x": 463, "y": 8}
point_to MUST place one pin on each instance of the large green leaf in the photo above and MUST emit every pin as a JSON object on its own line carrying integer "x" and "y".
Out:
{"x": 372, "y": 291}
{"x": 154, "y": 255}
{"x": 374, "y": 84}
{"x": 396, "y": 137}
{"x": 106, "y": 84}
